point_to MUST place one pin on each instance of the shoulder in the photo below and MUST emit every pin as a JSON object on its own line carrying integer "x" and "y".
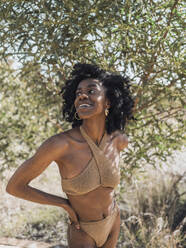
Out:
{"x": 54, "y": 147}
{"x": 56, "y": 141}
{"x": 121, "y": 140}
{"x": 63, "y": 140}
{"x": 57, "y": 146}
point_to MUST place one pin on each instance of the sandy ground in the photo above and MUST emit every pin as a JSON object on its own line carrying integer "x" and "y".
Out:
{"x": 16, "y": 243}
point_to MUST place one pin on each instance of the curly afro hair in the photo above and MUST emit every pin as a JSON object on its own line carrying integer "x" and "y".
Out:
{"x": 117, "y": 92}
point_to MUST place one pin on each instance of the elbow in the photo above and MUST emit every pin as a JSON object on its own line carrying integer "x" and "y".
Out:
{"x": 10, "y": 189}
{"x": 14, "y": 189}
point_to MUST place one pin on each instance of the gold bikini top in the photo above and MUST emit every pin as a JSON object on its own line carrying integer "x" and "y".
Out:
{"x": 98, "y": 172}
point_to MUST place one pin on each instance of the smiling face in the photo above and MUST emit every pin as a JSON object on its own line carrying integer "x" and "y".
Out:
{"x": 90, "y": 99}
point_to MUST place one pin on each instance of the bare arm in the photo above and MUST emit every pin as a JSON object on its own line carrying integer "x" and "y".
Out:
{"x": 18, "y": 185}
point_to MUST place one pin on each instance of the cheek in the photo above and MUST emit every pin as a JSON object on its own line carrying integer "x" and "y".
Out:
{"x": 101, "y": 101}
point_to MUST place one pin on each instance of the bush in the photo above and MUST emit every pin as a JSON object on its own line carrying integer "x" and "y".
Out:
{"x": 153, "y": 211}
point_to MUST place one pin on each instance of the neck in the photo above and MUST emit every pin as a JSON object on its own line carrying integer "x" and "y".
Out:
{"x": 95, "y": 129}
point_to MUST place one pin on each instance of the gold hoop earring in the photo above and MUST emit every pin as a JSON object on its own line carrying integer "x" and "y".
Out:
{"x": 76, "y": 116}
{"x": 106, "y": 112}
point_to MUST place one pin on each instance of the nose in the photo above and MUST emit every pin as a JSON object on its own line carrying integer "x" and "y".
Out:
{"x": 83, "y": 96}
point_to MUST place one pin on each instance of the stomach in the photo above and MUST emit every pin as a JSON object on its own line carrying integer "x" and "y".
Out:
{"x": 95, "y": 205}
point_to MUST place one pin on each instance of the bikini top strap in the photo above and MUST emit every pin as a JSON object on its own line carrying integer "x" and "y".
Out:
{"x": 91, "y": 143}
{"x": 97, "y": 151}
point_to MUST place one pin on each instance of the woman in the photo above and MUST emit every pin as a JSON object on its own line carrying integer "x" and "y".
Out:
{"x": 98, "y": 104}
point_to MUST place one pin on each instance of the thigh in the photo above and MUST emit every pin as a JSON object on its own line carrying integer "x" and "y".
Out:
{"x": 114, "y": 234}
{"x": 79, "y": 238}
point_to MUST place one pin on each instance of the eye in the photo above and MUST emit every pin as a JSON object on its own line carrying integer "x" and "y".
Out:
{"x": 78, "y": 93}
{"x": 91, "y": 92}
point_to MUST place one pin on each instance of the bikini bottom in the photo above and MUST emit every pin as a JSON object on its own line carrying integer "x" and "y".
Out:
{"x": 100, "y": 230}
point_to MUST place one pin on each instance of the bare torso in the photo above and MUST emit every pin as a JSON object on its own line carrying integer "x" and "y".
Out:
{"x": 98, "y": 203}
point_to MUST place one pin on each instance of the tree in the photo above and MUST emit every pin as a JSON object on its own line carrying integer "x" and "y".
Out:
{"x": 143, "y": 39}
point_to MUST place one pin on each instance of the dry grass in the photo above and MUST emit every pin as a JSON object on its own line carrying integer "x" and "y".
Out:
{"x": 154, "y": 210}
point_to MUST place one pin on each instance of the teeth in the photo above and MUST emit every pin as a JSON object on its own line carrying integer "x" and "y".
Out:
{"x": 84, "y": 105}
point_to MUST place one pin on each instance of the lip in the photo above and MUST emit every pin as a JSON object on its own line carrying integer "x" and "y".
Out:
{"x": 85, "y": 106}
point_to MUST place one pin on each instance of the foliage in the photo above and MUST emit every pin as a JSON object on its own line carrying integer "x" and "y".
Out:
{"x": 26, "y": 117}
{"x": 143, "y": 39}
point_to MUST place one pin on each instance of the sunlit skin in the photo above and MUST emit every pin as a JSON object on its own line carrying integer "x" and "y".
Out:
{"x": 71, "y": 153}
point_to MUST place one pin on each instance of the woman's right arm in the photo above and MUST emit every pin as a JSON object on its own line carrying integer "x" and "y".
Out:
{"x": 18, "y": 185}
